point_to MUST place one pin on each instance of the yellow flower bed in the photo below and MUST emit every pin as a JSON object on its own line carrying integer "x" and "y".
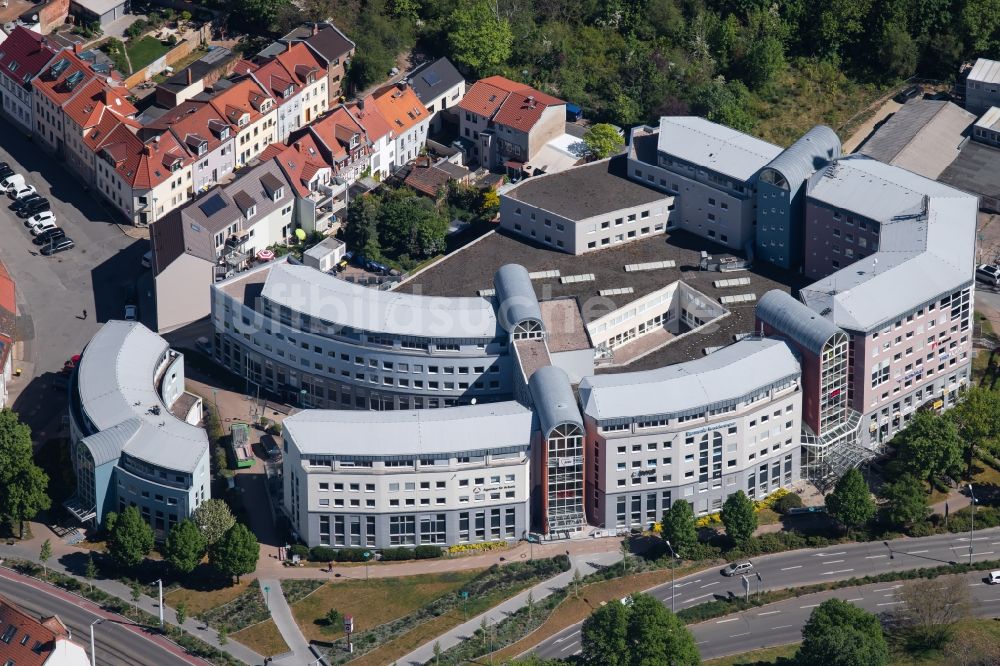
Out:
{"x": 462, "y": 548}
{"x": 769, "y": 501}
{"x": 710, "y": 520}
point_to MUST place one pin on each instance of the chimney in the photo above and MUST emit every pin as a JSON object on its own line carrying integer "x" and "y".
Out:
{"x": 147, "y": 150}
{"x": 315, "y": 29}
{"x": 190, "y": 76}
{"x": 401, "y": 85}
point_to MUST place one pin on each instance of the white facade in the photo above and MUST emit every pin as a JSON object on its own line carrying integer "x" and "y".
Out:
{"x": 409, "y": 143}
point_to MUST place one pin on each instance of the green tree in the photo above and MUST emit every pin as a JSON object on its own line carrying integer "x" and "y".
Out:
{"x": 841, "y": 634}
{"x": 906, "y": 501}
{"x": 181, "y": 611}
{"x": 603, "y": 140}
{"x": 135, "y": 592}
{"x": 930, "y": 446}
{"x": 976, "y": 419}
{"x": 898, "y": 52}
{"x": 739, "y": 517}
{"x": 23, "y": 485}
{"x": 44, "y": 553}
{"x": 480, "y": 39}
{"x": 184, "y": 547}
{"x": 677, "y": 527}
{"x": 259, "y": 13}
{"x": 131, "y": 539}
{"x": 640, "y": 632}
{"x": 851, "y": 501}
{"x": 213, "y": 519}
{"x": 981, "y": 22}
{"x": 764, "y": 60}
{"x": 361, "y": 225}
{"x": 223, "y": 635}
{"x": 90, "y": 570}
{"x": 724, "y": 103}
{"x": 333, "y": 618}
{"x": 236, "y": 553}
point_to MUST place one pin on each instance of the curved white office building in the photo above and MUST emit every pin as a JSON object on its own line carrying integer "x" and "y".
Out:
{"x": 319, "y": 341}
{"x": 134, "y": 433}
{"x": 697, "y": 431}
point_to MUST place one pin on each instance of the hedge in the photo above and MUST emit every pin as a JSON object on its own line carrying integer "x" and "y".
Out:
{"x": 322, "y": 554}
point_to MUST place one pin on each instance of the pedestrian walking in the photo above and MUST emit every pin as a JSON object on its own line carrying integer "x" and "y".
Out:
{"x": 84, "y": 314}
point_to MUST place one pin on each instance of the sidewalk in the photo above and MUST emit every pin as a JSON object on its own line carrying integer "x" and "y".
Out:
{"x": 584, "y": 563}
{"x": 61, "y": 551}
{"x": 285, "y": 621}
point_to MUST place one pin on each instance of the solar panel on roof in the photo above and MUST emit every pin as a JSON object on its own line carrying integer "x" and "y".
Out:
{"x": 212, "y": 205}
{"x": 431, "y": 78}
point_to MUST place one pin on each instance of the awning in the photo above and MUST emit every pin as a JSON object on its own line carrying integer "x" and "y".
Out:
{"x": 265, "y": 254}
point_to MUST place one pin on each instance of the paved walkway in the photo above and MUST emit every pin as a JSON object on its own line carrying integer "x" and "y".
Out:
{"x": 584, "y": 563}
{"x": 285, "y": 621}
{"x": 64, "y": 557}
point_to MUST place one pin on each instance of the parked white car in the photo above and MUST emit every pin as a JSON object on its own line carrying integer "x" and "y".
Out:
{"x": 44, "y": 216}
{"x": 12, "y": 181}
{"x": 20, "y": 193}
{"x": 988, "y": 274}
{"x": 44, "y": 225}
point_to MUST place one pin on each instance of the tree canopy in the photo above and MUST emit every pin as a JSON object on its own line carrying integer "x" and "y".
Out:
{"x": 130, "y": 539}
{"x": 851, "y": 501}
{"x": 479, "y": 38}
{"x": 213, "y": 518}
{"x": 930, "y": 446}
{"x": 23, "y": 484}
{"x": 739, "y": 517}
{"x": 184, "y": 547}
{"x": 236, "y": 553}
{"x": 395, "y": 224}
{"x": 906, "y": 501}
{"x": 603, "y": 140}
{"x": 678, "y": 527}
{"x": 640, "y": 632}
{"x": 841, "y": 634}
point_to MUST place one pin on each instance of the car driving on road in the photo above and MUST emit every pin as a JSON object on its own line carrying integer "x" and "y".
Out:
{"x": 737, "y": 569}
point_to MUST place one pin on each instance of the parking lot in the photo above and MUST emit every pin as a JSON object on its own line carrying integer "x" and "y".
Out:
{"x": 53, "y": 292}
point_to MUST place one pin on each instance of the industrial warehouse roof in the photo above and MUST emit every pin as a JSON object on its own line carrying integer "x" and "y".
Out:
{"x": 425, "y": 432}
{"x": 117, "y": 386}
{"x": 713, "y": 146}
{"x": 926, "y": 243}
{"x": 807, "y": 155}
{"x": 728, "y": 374}
{"x": 328, "y": 298}
{"x": 582, "y": 192}
{"x": 804, "y": 326}
{"x": 924, "y": 136}
{"x": 985, "y": 70}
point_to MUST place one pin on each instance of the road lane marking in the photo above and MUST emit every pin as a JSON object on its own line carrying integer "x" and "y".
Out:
{"x": 732, "y": 619}
{"x": 991, "y": 599}
{"x": 784, "y": 626}
{"x": 857, "y": 599}
{"x": 797, "y": 566}
{"x": 985, "y": 552}
{"x": 708, "y": 585}
{"x": 915, "y": 552}
{"x": 975, "y": 584}
{"x": 810, "y": 606}
{"x": 842, "y": 552}
{"x": 701, "y": 642}
{"x": 768, "y": 613}
{"x": 886, "y": 589}
{"x": 690, "y": 582}
{"x": 830, "y": 573}
{"x": 745, "y": 633}
{"x": 687, "y": 601}
{"x": 875, "y": 557}
{"x": 835, "y": 561}
{"x": 974, "y": 539}
{"x": 568, "y": 647}
{"x": 889, "y": 603}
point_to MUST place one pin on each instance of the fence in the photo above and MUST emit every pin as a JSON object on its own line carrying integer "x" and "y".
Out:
{"x": 192, "y": 40}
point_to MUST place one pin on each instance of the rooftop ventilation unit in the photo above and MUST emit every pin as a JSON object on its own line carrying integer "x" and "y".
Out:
{"x": 616, "y": 292}
{"x": 650, "y": 266}
{"x": 569, "y": 279}
{"x": 738, "y": 298}
{"x": 734, "y": 282}
{"x": 542, "y": 275}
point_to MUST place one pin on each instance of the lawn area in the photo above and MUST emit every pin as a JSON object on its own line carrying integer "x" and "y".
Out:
{"x": 145, "y": 51}
{"x": 199, "y": 601}
{"x": 767, "y": 656}
{"x": 263, "y": 638}
{"x": 806, "y": 94}
{"x": 393, "y": 650}
{"x": 768, "y": 517}
{"x": 577, "y": 608}
{"x": 373, "y": 602}
{"x": 986, "y": 476}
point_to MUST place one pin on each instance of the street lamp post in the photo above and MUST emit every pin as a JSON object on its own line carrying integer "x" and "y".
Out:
{"x": 972, "y": 531}
{"x": 367, "y": 555}
{"x": 673, "y": 561}
{"x": 93, "y": 655}
{"x": 267, "y": 589}
{"x": 159, "y": 584}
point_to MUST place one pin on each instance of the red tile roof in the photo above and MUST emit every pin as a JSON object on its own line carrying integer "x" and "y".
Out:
{"x": 87, "y": 107}
{"x": 193, "y": 122}
{"x": 507, "y": 102}
{"x": 95, "y": 137}
{"x": 368, "y": 116}
{"x": 61, "y": 82}
{"x": 246, "y": 96}
{"x": 42, "y": 632}
{"x": 400, "y": 107}
{"x": 27, "y": 52}
{"x": 244, "y": 67}
{"x": 8, "y": 300}
{"x": 300, "y": 161}
{"x": 301, "y": 64}
{"x": 143, "y": 165}
{"x": 336, "y": 129}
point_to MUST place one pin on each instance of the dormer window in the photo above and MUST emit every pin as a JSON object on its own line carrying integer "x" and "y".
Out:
{"x": 202, "y": 149}
{"x": 288, "y": 91}
{"x": 278, "y": 194}
{"x": 224, "y": 133}
{"x": 251, "y": 211}
{"x": 244, "y": 120}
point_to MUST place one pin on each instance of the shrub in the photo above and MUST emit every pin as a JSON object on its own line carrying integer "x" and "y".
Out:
{"x": 703, "y": 551}
{"x": 427, "y": 552}
{"x": 397, "y": 554}
{"x": 299, "y": 549}
{"x": 172, "y": 39}
{"x": 920, "y": 530}
{"x": 352, "y": 555}
{"x": 789, "y": 501}
{"x": 322, "y": 554}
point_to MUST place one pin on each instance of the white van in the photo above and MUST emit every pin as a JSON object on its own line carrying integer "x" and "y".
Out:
{"x": 13, "y": 181}
{"x": 994, "y": 577}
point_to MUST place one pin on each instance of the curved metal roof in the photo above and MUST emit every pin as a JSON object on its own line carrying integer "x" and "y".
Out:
{"x": 107, "y": 445}
{"x": 795, "y": 320}
{"x": 804, "y": 157}
{"x": 554, "y": 401}
{"x": 515, "y": 296}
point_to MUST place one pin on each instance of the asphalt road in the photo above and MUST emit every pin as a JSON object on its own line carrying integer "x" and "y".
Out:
{"x": 52, "y": 292}
{"x": 116, "y": 645}
{"x": 804, "y": 567}
{"x": 781, "y": 623}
